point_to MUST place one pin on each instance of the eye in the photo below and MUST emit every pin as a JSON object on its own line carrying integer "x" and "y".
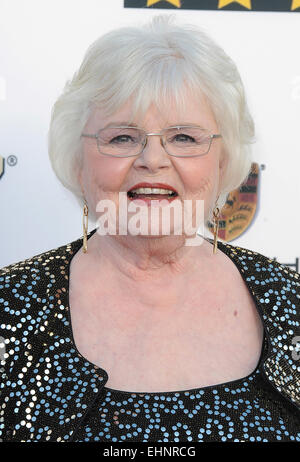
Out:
{"x": 183, "y": 138}
{"x": 187, "y": 136}
{"x": 121, "y": 139}
{"x": 119, "y": 135}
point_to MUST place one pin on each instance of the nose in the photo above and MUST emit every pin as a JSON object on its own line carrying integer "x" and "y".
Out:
{"x": 153, "y": 156}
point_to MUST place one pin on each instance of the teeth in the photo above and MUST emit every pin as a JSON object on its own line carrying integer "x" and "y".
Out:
{"x": 152, "y": 191}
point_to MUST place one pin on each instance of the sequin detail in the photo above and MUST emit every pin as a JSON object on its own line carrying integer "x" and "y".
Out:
{"x": 50, "y": 392}
{"x": 247, "y": 410}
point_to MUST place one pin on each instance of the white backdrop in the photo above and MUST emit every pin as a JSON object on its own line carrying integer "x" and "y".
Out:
{"x": 42, "y": 43}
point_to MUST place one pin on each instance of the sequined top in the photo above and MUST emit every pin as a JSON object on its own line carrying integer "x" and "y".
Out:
{"x": 50, "y": 392}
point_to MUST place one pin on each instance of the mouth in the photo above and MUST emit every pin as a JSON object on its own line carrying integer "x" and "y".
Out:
{"x": 148, "y": 192}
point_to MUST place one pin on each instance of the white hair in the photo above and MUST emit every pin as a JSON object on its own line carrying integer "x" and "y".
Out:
{"x": 151, "y": 63}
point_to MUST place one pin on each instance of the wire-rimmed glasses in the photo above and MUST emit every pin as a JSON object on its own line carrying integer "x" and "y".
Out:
{"x": 129, "y": 141}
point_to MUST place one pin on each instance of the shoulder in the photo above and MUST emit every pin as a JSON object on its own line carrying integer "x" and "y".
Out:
{"x": 29, "y": 290}
{"x": 40, "y": 263}
{"x": 27, "y": 280}
{"x": 25, "y": 285}
{"x": 263, "y": 275}
{"x": 276, "y": 291}
{"x": 276, "y": 287}
{"x": 265, "y": 271}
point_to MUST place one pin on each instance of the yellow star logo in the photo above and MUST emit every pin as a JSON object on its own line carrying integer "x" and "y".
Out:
{"x": 295, "y": 4}
{"x": 173, "y": 2}
{"x": 245, "y": 3}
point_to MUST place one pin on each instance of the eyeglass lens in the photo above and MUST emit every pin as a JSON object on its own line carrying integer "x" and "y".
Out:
{"x": 128, "y": 141}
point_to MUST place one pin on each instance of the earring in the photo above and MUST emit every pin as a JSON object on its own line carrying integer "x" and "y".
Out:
{"x": 85, "y": 225}
{"x": 216, "y": 213}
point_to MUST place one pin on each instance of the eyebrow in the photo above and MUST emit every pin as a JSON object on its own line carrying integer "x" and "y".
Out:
{"x": 117, "y": 124}
{"x": 126, "y": 124}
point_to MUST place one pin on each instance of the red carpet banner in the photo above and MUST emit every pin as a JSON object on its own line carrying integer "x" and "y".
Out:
{"x": 238, "y": 5}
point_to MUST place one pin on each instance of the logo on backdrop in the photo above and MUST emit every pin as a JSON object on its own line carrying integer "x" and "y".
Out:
{"x": 239, "y": 209}
{"x": 11, "y": 160}
{"x": 238, "y": 5}
{"x": 2, "y": 160}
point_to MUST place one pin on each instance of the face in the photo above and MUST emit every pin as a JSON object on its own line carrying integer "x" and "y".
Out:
{"x": 104, "y": 177}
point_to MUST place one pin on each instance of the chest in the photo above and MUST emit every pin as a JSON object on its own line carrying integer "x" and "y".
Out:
{"x": 210, "y": 337}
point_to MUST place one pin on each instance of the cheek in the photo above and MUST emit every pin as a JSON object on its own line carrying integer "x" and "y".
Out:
{"x": 103, "y": 177}
{"x": 101, "y": 173}
{"x": 200, "y": 177}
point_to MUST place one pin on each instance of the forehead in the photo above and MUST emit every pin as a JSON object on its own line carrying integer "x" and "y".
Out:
{"x": 190, "y": 109}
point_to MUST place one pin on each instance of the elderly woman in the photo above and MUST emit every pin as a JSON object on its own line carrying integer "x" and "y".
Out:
{"x": 140, "y": 336}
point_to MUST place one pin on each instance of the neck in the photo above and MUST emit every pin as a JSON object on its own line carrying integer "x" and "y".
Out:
{"x": 157, "y": 276}
{"x": 140, "y": 258}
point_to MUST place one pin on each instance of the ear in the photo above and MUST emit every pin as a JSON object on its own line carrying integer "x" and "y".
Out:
{"x": 223, "y": 161}
{"x": 80, "y": 181}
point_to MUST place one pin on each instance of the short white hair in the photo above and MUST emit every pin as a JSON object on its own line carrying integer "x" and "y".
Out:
{"x": 151, "y": 63}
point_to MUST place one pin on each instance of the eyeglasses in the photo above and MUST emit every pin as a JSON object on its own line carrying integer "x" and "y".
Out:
{"x": 178, "y": 141}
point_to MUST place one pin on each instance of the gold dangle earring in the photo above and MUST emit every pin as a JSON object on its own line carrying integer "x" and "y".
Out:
{"x": 85, "y": 225}
{"x": 216, "y": 214}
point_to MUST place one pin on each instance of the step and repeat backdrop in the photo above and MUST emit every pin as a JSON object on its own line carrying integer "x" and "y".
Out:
{"x": 42, "y": 44}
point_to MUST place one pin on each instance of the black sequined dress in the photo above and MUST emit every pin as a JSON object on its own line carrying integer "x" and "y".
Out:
{"x": 50, "y": 392}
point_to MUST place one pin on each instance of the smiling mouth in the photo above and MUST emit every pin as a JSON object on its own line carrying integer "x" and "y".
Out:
{"x": 154, "y": 199}
{"x": 149, "y": 196}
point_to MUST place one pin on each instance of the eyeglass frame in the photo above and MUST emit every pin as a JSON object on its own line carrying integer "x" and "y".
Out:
{"x": 96, "y": 136}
